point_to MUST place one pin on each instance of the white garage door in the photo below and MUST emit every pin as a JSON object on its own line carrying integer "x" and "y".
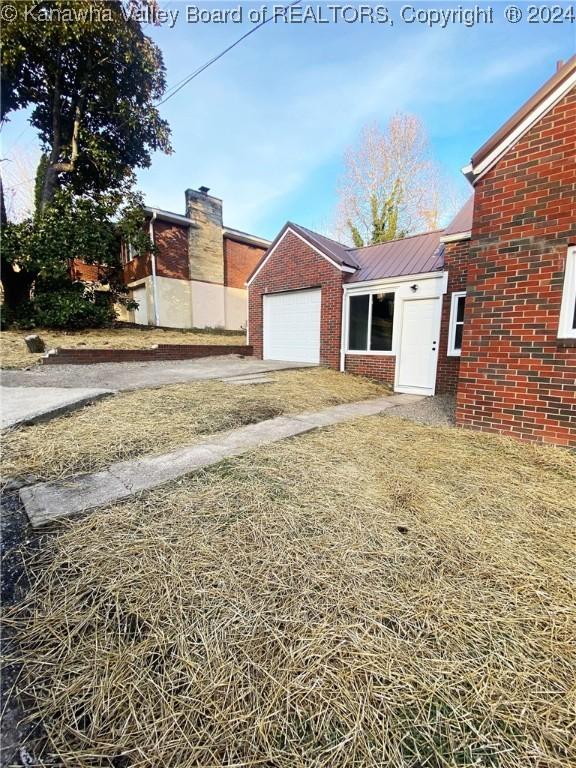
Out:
{"x": 292, "y": 326}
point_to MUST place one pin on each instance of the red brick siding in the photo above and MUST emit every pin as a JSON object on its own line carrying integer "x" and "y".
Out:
{"x": 456, "y": 257}
{"x": 379, "y": 367}
{"x": 295, "y": 265}
{"x": 172, "y": 256}
{"x": 515, "y": 378}
{"x": 89, "y": 273}
{"x": 137, "y": 269}
{"x": 161, "y": 352}
{"x": 240, "y": 259}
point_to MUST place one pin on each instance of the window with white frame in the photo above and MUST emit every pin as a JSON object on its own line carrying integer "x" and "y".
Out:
{"x": 567, "y": 325}
{"x": 370, "y": 322}
{"x": 128, "y": 252}
{"x": 456, "y": 327}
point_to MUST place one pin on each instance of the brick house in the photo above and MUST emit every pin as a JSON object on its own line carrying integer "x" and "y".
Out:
{"x": 197, "y": 277}
{"x": 484, "y": 310}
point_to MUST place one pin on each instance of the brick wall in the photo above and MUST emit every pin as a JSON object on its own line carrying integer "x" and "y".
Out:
{"x": 293, "y": 266}
{"x": 379, "y": 367}
{"x": 172, "y": 256}
{"x": 84, "y": 356}
{"x": 456, "y": 257}
{"x": 89, "y": 273}
{"x": 515, "y": 376}
{"x": 137, "y": 269}
{"x": 171, "y": 240}
{"x": 240, "y": 259}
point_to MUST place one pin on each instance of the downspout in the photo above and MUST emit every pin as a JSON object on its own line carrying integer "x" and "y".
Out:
{"x": 153, "y": 262}
{"x": 344, "y": 321}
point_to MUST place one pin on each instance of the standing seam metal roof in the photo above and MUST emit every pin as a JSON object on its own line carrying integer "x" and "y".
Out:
{"x": 408, "y": 256}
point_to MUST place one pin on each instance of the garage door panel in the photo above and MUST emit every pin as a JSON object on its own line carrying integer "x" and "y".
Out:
{"x": 292, "y": 326}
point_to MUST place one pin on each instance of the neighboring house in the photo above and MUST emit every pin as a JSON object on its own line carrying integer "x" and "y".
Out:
{"x": 197, "y": 277}
{"x": 485, "y": 309}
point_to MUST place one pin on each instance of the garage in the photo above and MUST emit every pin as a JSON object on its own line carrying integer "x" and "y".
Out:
{"x": 292, "y": 326}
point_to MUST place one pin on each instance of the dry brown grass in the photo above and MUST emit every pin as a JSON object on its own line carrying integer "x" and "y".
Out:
{"x": 157, "y": 420}
{"x": 14, "y": 354}
{"x": 374, "y": 594}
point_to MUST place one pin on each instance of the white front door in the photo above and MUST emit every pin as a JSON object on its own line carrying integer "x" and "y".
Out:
{"x": 292, "y": 326}
{"x": 418, "y": 348}
{"x": 141, "y": 313}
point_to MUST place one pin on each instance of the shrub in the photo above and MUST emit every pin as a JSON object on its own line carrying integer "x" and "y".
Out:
{"x": 73, "y": 308}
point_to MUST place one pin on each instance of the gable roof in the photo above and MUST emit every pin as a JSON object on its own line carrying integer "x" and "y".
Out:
{"x": 522, "y": 120}
{"x": 460, "y": 228}
{"x": 339, "y": 253}
{"x": 413, "y": 255}
{"x": 331, "y": 250}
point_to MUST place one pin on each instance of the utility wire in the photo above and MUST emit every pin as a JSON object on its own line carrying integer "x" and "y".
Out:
{"x": 178, "y": 87}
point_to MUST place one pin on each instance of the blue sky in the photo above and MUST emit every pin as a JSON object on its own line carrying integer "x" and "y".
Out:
{"x": 266, "y": 126}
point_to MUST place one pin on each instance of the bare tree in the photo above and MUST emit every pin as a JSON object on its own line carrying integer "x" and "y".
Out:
{"x": 19, "y": 170}
{"x": 391, "y": 186}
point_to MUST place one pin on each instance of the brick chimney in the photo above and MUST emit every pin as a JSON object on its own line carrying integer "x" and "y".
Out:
{"x": 205, "y": 240}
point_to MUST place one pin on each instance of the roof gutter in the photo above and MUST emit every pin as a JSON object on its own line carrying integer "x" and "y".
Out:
{"x": 455, "y": 237}
{"x": 245, "y": 238}
{"x": 494, "y": 148}
{"x": 392, "y": 280}
{"x": 157, "y": 213}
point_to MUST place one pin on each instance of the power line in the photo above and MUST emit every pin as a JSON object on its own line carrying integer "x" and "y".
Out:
{"x": 19, "y": 183}
{"x": 178, "y": 87}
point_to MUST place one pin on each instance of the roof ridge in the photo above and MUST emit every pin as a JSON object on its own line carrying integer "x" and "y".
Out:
{"x": 344, "y": 257}
{"x": 319, "y": 234}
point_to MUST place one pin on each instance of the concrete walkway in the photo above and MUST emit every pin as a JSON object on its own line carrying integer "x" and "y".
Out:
{"x": 126, "y": 376}
{"x": 28, "y": 405}
{"x": 47, "y": 502}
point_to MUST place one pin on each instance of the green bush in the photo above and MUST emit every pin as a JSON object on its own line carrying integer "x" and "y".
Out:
{"x": 70, "y": 306}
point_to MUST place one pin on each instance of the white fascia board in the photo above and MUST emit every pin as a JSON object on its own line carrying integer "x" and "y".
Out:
{"x": 167, "y": 216}
{"x": 342, "y": 268}
{"x": 475, "y": 173}
{"x": 235, "y": 235}
{"x": 456, "y": 237}
{"x": 384, "y": 282}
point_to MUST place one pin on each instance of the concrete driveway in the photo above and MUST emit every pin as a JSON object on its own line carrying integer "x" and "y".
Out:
{"x": 123, "y": 376}
{"x": 28, "y": 405}
{"x": 49, "y": 390}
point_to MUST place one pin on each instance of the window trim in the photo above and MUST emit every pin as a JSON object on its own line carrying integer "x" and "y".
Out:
{"x": 372, "y": 292}
{"x": 567, "y": 308}
{"x": 452, "y": 351}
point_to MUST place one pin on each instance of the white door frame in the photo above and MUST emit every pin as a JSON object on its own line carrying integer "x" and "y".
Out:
{"x": 436, "y": 344}
{"x": 431, "y": 285}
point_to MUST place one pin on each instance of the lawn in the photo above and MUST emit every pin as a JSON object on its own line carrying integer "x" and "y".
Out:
{"x": 156, "y": 420}
{"x": 14, "y": 354}
{"x": 378, "y": 593}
